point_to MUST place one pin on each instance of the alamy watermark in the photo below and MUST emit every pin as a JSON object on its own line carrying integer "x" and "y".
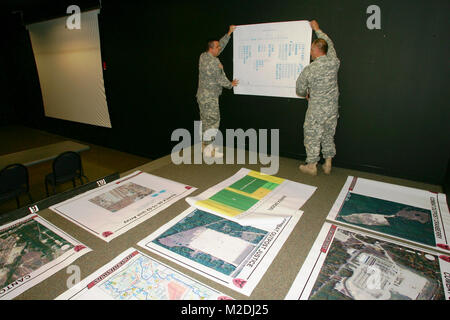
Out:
{"x": 75, "y": 275}
{"x": 74, "y": 20}
{"x": 374, "y": 20}
{"x": 257, "y": 147}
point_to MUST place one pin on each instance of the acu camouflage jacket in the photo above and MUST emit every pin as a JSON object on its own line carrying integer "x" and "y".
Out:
{"x": 211, "y": 77}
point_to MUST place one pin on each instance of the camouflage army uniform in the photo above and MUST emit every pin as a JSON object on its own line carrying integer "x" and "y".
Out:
{"x": 319, "y": 79}
{"x": 211, "y": 79}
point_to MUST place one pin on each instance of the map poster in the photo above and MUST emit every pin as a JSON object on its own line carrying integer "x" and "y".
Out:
{"x": 253, "y": 198}
{"x": 407, "y": 214}
{"x": 31, "y": 250}
{"x": 269, "y": 57}
{"x": 134, "y": 275}
{"x": 224, "y": 251}
{"x": 110, "y": 210}
{"x": 351, "y": 265}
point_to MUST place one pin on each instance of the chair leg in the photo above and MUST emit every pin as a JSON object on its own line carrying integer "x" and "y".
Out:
{"x": 73, "y": 182}
{"x": 18, "y": 202}
{"x": 29, "y": 196}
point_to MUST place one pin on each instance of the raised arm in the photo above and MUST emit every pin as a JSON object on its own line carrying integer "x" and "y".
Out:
{"x": 322, "y": 35}
{"x": 224, "y": 40}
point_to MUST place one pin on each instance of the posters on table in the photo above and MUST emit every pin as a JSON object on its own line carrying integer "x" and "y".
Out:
{"x": 118, "y": 206}
{"x": 31, "y": 250}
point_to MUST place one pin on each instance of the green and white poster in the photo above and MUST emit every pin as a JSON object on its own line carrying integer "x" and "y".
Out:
{"x": 253, "y": 198}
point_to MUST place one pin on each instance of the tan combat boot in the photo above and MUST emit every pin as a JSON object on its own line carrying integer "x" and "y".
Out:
{"x": 208, "y": 151}
{"x": 327, "y": 166}
{"x": 309, "y": 168}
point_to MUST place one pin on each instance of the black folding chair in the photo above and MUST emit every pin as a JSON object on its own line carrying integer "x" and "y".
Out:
{"x": 14, "y": 182}
{"x": 66, "y": 167}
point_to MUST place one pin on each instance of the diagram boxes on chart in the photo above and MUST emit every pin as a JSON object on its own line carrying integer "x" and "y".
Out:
{"x": 269, "y": 57}
{"x": 352, "y": 265}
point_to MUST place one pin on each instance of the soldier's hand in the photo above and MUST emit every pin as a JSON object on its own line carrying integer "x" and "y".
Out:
{"x": 231, "y": 29}
{"x": 235, "y": 82}
{"x": 220, "y": 66}
{"x": 314, "y": 25}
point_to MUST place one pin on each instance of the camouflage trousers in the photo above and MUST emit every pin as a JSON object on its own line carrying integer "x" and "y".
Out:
{"x": 210, "y": 116}
{"x": 319, "y": 132}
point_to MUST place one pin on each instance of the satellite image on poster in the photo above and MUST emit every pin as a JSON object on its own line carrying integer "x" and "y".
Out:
{"x": 32, "y": 249}
{"x": 350, "y": 265}
{"x": 407, "y": 214}
{"x": 233, "y": 255}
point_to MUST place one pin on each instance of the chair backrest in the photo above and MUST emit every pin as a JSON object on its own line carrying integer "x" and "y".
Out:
{"x": 67, "y": 164}
{"x": 13, "y": 177}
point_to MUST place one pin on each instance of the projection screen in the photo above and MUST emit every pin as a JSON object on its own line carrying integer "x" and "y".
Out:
{"x": 70, "y": 69}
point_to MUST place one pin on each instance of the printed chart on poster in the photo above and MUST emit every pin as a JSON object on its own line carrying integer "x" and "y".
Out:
{"x": 31, "y": 250}
{"x": 134, "y": 275}
{"x": 224, "y": 251}
{"x": 408, "y": 214}
{"x": 118, "y": 206}
{"x": 269, "y": 57}
{"x": 253, "y": 198}
{"x": 351, "y": 265}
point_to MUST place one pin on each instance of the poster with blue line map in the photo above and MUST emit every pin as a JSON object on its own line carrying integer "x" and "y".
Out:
{"x": 135, "y": 276}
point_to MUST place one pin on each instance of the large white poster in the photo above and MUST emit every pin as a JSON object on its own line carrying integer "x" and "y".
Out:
{"x": 115, "y": 208}
{"x": 268, "y": 57}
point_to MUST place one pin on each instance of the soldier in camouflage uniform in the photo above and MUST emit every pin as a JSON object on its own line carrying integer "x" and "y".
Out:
{"x": 211, "y": 79}
{"x": 318, "y": 83}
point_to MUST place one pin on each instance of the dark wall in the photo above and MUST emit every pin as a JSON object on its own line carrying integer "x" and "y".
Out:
{"x": 394, "y": 114}
{"x": 19, "y": 85}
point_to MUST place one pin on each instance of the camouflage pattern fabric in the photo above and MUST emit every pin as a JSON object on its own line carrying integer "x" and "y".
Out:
{"x": 319, "y": 80}
{"x": 211, "y": 80}
{"x": 209, "y": 115}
